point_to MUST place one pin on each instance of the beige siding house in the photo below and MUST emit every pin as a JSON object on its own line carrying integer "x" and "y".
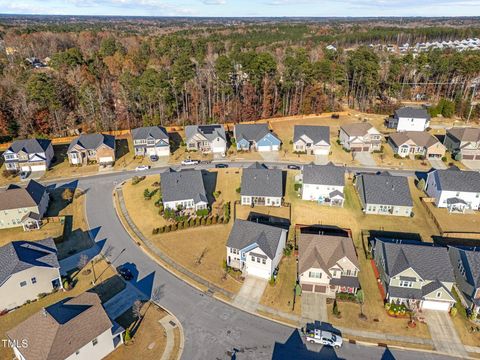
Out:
{"x": 411, "y": 143}
{"x": 92, "y": 148}
{"x": 360, "y": 137}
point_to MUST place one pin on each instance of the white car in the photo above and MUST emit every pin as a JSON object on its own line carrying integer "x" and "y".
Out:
{"x": 142, "y": 168}
{"x": 317, "y": 336}
{"x": 190, "y": 162}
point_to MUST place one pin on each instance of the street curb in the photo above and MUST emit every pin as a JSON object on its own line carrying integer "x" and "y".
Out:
{"x": 180, "y": 327}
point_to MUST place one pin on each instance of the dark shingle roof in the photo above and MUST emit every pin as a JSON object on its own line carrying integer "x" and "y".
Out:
{"x": 30, "y": 146}
{"x": 251, "y": 132}
{"x": 183, "y": 185}
{"x": 412, "y": 112}
{"x": 316, "y": 133}
{"x": 454, "y": 179}
{"x": 324, "y": 175}
{"x": 471, "y": 263}
{"x": 420, "y": 138}
{"x": 156, "y": 132}
{"x": 21, "y": 255}
{"x": 259, "y": 181}
{"x": 465, "y": 134}
{"x": 15, "y": 197}
{"x": 357, "y": 129}
{"x": 211, "y": 132}
{"x": 245, "y": 233}
{"x": 384, "y": 189}
{"x": 93, "y": 141}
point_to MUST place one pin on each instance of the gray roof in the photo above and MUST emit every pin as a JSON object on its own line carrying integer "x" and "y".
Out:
{"x": 324, "y": 175}
{"x": 260, "y": 181}
{"x": 384, "y": 189}
{"x": 412, "y": 112}
{"x": 413, "y": 293}
{"x": 183, "y": 185}
{"x": 93, "y": 141}
{"x": 429, "y": 262}
{"x": 245, "y": 233}
{"x": 454, "y": 179}
{"x": 465, "y": 134}
{"x": 211, "y": 132}
{"x": 15, "y": 197}
{"x": 156, "y": 132}
{"x": 420, "y": 138}
{"x": 315, "y": 133}
{"x": 251, "y": 132}
{"x": 30, "y": 146}
{"x": 471, "y": 263}
{"x": 21, "y": 255}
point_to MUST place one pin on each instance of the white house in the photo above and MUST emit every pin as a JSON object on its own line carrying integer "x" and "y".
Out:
{"x": 314, "y": 140}
{"x": 454, "y": 189}
{"x": 183, "y": 189}
{"x": 206, "y": 138}
{"x": 323, "y": 184}
{"x": 29, "y": 155}
{"x": 254, "y": 248}
{"x": 360, "y": 137}
{"x": 261, "y": 186}
{"x": 151, "y": 141}
{"x": 409, "y": 119}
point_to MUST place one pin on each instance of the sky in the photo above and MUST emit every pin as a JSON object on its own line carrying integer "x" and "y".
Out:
{"x": 238, "y": 8}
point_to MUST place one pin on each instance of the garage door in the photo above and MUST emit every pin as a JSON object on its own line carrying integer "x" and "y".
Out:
{"x": 264, "y": 148}
{"x": 307, "y": 287}
{"x": 366, "y": 148}
{"x": 106, "y": 159}
{"x": 37, "y": 167}
{"x": 436, "y": 305}
{"x": 356, "y": 149}
{"x": 320, "y": 289}
{"x": 260, "y": 272}
{"x": 321, "y": 151}
{"x": 468, "y": 157}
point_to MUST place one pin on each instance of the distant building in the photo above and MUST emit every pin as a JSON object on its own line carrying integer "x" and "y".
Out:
{"x": 29, "y": 155}
{"x": 463, "y": 143}
{"x": 409, "y": 119}
{"x": 360, "y": 137}
{"x": 255, "y": 137}
{"x": 151, "y": 141}
{"x": 411, "y": 143}
{"x": 92, "y": 148}
{"x": 206, "y": 138}
{"x": 314, "y": 140}
{"x": 185, "y": 189}
{"x": 261, "y": 186}
{"x": 324, "y": 184}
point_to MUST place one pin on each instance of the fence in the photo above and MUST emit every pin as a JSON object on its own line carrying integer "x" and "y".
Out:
{"x": 425, "y": 202}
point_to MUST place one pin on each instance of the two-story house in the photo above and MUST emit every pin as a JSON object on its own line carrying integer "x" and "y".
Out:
{"x": 92, "y": 148}
{"x": 29, "y": 155}
{"x": 151, "y": 141}
{"x": 466, "y": 268}
{"x": 314, "y": 140}
{"x": 463, "y": 143}
{"x": 23, "y": 206}
{"x": 255, "y": 248}
{"x": 261, "y": 186}
{"x": 327, "y": 264}
{"x": 206, "y": 138}
{"x": 454, "y": 189}
{"x": 384, "y": 194}
{"x": 415, "y": 273}
{"x": 183, "y": 189}
{"x": 72, "y": 329}
{"x": 323, "y": 184}
{"x": 409, "y": 118}
{"x": 255, "y": 137}
{"x": 29, "y": 268}
{"x": 360, "y": 137}
{"x": 411, "y": 143}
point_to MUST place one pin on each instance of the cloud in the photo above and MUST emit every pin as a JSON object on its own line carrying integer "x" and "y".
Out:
{"x": 214, "y": 2}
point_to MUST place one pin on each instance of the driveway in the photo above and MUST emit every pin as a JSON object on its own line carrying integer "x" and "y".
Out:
{"x": 321, "y": 159}
{"x": 472, "y": 164}
{"x": 364, "y": 158}
{"x": 314, "y": 307}
{"x": 438, "y": 164}
{"x": 124, "y": 300}
{"x": 444, "y": 335}
{"x": 270, "y": 155}
{"x": 250, "y": 293}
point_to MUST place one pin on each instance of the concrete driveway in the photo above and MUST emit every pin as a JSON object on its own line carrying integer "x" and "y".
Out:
{"x": 314, "y": 307}
{"x": 321, "y": 159}
{"x": 438, "y": 164}
{"x": 472, "y": 164}
{"x": 444, "y": 335}
{"x": 250, "y": 293}
{"x": 270, "y": 155}
{"x": 364, "y": 158}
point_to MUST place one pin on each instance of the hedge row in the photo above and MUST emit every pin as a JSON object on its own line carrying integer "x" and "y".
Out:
{"x": 193, "y": 222}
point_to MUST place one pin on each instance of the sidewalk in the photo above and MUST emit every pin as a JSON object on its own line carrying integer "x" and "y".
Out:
{"x": 169, "y": 324}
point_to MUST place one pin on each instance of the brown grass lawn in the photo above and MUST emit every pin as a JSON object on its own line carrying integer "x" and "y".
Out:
{"x": 456, "y": 222}
{"x": 463, "y": 327}
{"x": 48, "y": 230}
{"x": 387, "y": 159}
{"x": 13, "y": 318}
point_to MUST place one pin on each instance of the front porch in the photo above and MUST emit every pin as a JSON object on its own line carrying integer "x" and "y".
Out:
{"x": 31, "y": 221}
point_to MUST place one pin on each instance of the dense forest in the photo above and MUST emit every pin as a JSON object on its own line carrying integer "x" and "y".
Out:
{"x": 106, "y": 74}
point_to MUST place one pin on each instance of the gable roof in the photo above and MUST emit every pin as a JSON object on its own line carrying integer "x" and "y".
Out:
{"x": 156, "y": 132}
{"x": 211, "y": 132}
{"x": 314, "y": 132}
{"x": 324, "y": 251}
{"x": 59, "y": 330}
{"x": 357, "y": 129}
{"x": 324, "y": 174}
{"x": 465, "y": 134}
{"x": 384, "y": 189}
{"x": 30, "y": 146}
{"x": 261, "y": 181}
{"x": 454, "y": 179}
{"x": 420, "y": 138}
{"x": 15, "y": 197}
{"x": 412, "y": 112}
{"x": 183, "y": 185}
{"x": 21, "y": 255}
{"x": 251, "y": 132}
{"x": 93, "y": 141}
{"x": 471, "y": 263}
{"x": 429, "y": 262}
{"x": 245, "y": 233}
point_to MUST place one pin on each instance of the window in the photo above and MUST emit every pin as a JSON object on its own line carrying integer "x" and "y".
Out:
{"x": 264, "y": 261}
{"x": 253, "y": 258}
{"x": 34, "y": 280}
{"x": 349, "y": 272}
{"x": 258, "y": 260}
{"x": 77, "y": 352}
{"x": 94, "y": 341}
{"x": 23, "y": 283}
{"x": 405, "y": 283}
{"x": 438, "y": 294}
{"x": 315, "y": 275}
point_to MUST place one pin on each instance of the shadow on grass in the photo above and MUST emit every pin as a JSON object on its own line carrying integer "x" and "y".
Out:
{"x": 121, "y": 148}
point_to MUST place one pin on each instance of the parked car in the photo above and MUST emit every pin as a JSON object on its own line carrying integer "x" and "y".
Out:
{"x": 142, "y": 168}
{"x": 153, "y": 158}
{"x": 293, "y": 167}
{"x": 190, "y": 162}
{"x": 24, "y": 175}
{"x": 221, "y": 166}
{"x": 318, "y": 336}
{"x": 125, "y": 273}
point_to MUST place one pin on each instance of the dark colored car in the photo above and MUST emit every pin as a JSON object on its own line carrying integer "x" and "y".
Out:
{"x": 221, "y": 166}
{"x": 154, "y": 158}
{"x": 293, "y": 167}
{"x": 125, "y": 273}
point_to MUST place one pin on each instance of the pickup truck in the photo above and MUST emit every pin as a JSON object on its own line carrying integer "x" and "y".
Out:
{"x": 317, "y": 336}
{"x": 190, "y": 162}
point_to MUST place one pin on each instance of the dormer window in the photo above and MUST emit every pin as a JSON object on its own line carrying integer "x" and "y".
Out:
{"x": 405, "y": 283}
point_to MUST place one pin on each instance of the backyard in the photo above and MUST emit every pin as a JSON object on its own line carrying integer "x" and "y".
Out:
{"x": 461, "y": 223}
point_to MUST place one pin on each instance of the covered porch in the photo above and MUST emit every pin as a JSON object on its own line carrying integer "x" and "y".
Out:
{"x": 31, "y": 221}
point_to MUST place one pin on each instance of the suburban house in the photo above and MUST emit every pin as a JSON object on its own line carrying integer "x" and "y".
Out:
{"x": 411, "y": 143}
{"x": 92, "y": 148}
{"x": 255, "y": 137}
{"x": 327, "y": 264}
{"x": 463, "y": 143}
{"x": 29, "y": 155}
{"x": 261, "y": 186}
{"x": 466, "y": 268}
{"x": 255, "y": 248}
{"x": 384, "y": 194}
{"x": 206, "y": 138}
{"x": 73, "y": 328}
{"x": 360, "y": 137}
{"x": 29, "y": 268}
{"x": 323, "y": 184}
{"x": 415, "y": 273}
{"x": 151, "y": 141}
{"x": 409, "y": 119}
{"x": 23, "y": 206}
{"x": 454, "y": 189}
{"x": 183, "y": 189}
{"x": 314, "y": 140}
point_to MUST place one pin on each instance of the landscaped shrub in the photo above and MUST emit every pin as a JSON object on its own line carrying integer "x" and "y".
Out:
{"x": 155, "y": 231}
{"x": 346, "y": 297}
{"x": 202, "y": 212}
{"x": 146, "y": 194}
{"x": 198, "y": 221}
{"x": 272, "y": 281}
{"x": 216, "y": 194}
{"x": 453, "y": 311}
{"x": 127, "y": 336}
{"x": 221, "y": 220}
{"x": 444, "y": 158}
{"x": 419, "y": 157}
{"x": 209, "y": 221}
{"x": 162, "y": 230}
{"x": 226, "y": 209}
{"x": 297, "y": 186}
{"x": 173, "y": 227}
{"x": 335, "y": 310}
{"x": 167, "y": 228}
{"x": 238, "y": 190}
{"x": 287, "y": 251}
{"x": 180, "y": 225}
{"x": 158, "y": 203}
{"x": 226, "y": 219}
{"x": 396, "y": 156}
{"x": 215, "y": 219}
{"x": 137, "y": 179}
{"x": 398, "y": 310}
{"x": 203, "y": 221}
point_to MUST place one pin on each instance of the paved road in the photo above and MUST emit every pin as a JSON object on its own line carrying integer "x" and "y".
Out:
{"x": 213, "y": 329}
